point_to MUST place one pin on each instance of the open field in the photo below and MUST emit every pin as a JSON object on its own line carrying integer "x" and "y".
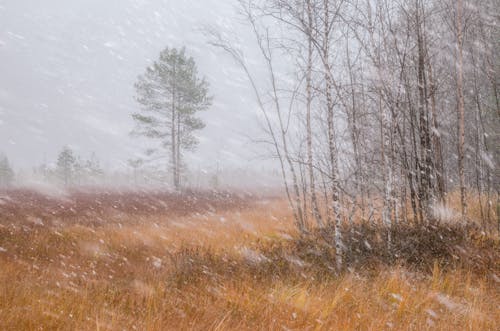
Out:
{"x": 220, "y": 261}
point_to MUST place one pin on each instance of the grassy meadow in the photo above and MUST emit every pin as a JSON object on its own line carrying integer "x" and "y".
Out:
{"x": 152, "y": 261}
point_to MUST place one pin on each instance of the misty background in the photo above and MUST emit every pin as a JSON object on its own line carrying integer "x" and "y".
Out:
{"x": 68, "y": 72}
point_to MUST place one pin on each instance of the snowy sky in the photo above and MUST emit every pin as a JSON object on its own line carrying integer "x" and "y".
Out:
{"x": 68, "y": 69}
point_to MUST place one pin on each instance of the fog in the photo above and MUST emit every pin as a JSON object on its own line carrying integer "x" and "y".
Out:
{"x": 249, "y": 165}
{"x": 68, "y": 70}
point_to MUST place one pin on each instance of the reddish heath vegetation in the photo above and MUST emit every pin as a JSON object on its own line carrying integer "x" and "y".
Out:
{"x": 221, "y": 261}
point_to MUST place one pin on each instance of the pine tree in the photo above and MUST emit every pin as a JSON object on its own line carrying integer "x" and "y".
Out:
{"x": 66, "y": 162}
{"x": 171, "y": 93}
{"x": 135, "y": 164}
{"x": 79, "y": 171}
{"x": 6, "y": 172}
{"x": 93, "y": 170}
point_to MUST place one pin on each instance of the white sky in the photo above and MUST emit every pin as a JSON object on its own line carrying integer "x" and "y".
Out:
{"x": 67, "y": 69}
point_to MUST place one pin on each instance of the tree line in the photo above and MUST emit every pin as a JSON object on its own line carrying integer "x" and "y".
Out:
{"x": 391, "y": 108}
{"x": 71, "y": 169}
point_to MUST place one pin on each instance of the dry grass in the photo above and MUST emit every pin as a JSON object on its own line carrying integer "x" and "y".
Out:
{"x": 232, "y": 268}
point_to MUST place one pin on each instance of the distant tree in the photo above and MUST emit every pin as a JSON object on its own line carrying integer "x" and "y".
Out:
{"x": 171, "y": 93}
{"x": 6, "y": 172}
{"x": 93, "y": 169}
{"x": 135, "y": 164}
{"x": 79, "y": 170}
{"x": 215, "y": 178}
{"x": 66, "y": 164}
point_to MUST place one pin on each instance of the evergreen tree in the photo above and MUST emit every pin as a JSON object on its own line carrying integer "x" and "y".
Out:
{"x": 79, "y": 170}
{"x": 135, "y": 164}
{"x": 171, "y": 93}
{"x": 93, "y": 169}
{"x": 66, "y": 164}
{"x": 6, "y": 172}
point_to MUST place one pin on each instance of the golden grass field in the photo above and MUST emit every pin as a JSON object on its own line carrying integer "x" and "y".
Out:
{"x": 234, "y": 268}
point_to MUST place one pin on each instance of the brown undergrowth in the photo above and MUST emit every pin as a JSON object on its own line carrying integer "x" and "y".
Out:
{"x": 242, "y": 267}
